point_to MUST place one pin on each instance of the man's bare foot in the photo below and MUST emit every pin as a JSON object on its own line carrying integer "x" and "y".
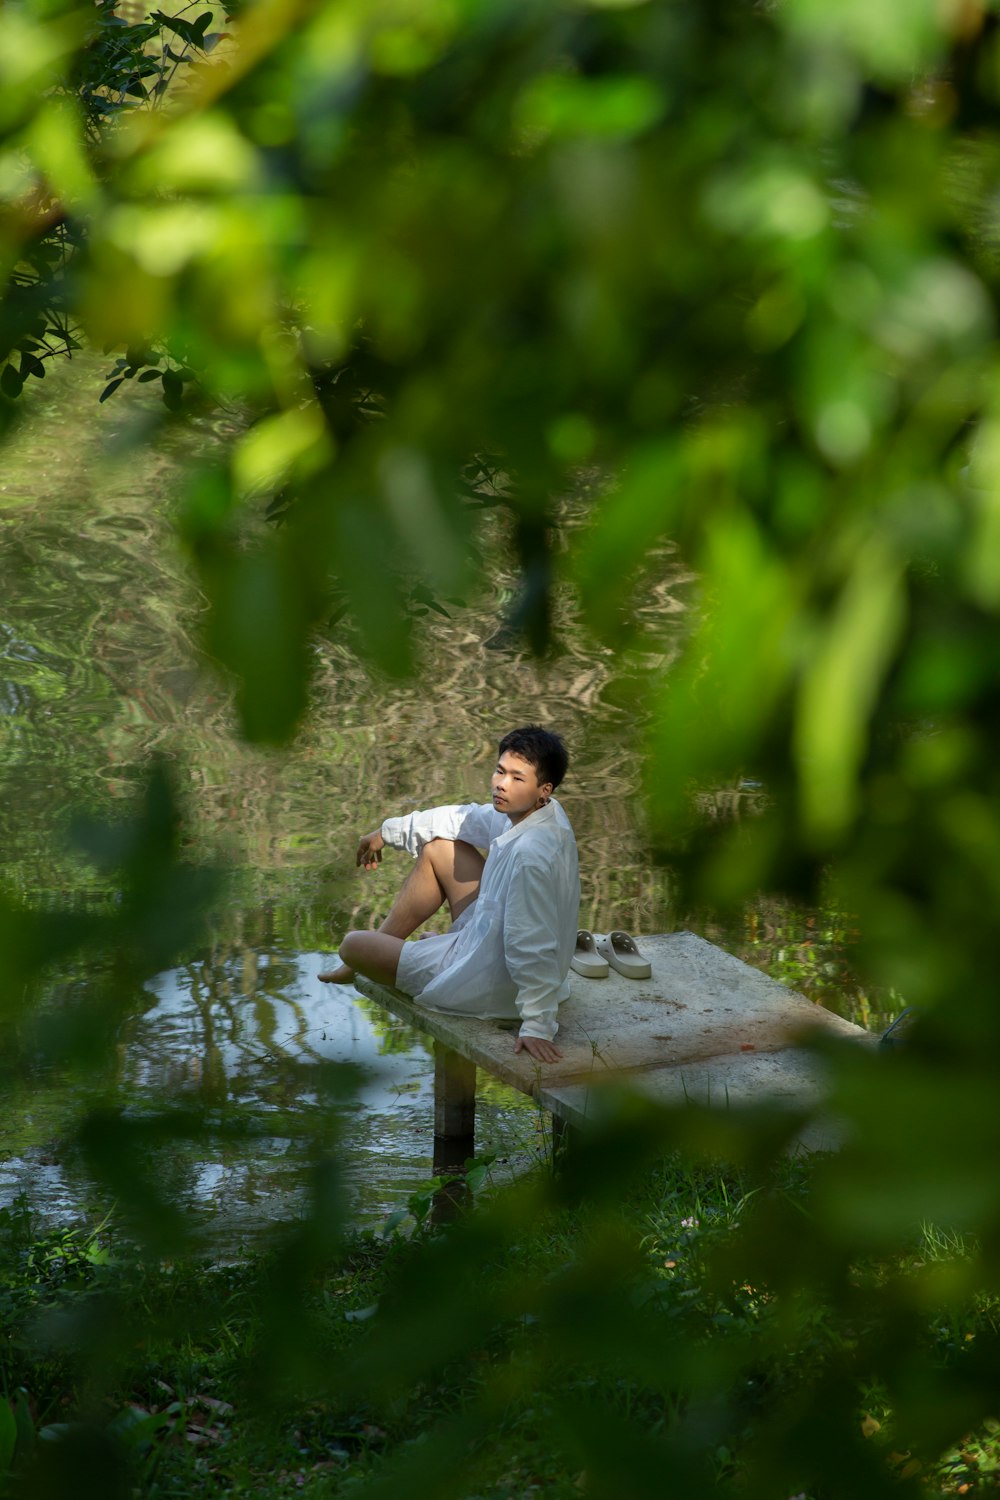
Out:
{"x": 340, "y": 975}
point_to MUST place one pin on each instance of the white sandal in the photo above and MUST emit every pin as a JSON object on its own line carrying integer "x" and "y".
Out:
{"x": 619, "y": 948}
{"x": 586, "y": 960}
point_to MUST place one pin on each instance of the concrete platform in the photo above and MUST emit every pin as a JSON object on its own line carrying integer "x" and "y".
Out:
{"x": 705, "y": 1028}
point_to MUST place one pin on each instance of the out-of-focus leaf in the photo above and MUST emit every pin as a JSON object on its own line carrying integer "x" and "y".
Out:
{"x": 631, "y": 517}
{"x": 8, "y": 1435}
{"x": 203, "y": 154}
{"x": 737, "y": 666}
{"x": 56, "y": 143}
{"x": 869, "y": 32}
{"x": 11, "y": 383}
{"x": 258, "y": 628}
{"x": 613, "y": 107}
{"x": 268, "y": 453}
{"x": 841, "y": 683}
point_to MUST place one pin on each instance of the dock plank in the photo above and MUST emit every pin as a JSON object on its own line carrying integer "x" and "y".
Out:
{"x": 705, "y": 1028}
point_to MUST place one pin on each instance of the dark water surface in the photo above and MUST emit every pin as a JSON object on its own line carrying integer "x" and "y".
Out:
{"x": 100, "y": 671}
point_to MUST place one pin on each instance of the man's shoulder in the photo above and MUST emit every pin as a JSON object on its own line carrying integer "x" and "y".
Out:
{"x": 546, "y": 845}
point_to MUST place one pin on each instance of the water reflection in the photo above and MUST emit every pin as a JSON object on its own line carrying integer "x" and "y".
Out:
{"x": 244, "y": 1036}
{"x": 243, "y": 1029}
{"x": 223, "y": 1027}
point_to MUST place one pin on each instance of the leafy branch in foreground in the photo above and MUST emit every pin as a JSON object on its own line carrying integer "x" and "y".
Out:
{"x": 740, "y": 261}
{"x": 56, "y": 166}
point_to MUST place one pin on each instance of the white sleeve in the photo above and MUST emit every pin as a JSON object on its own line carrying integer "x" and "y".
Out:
{"x": 531, "y": 951}
{"x": 476, "y": 823}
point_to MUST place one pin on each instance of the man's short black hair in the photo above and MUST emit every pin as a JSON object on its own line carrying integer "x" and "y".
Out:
{"x": 541, "y": 749}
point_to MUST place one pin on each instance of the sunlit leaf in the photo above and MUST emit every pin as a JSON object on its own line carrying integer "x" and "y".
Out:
{"x": 840, "y": 686}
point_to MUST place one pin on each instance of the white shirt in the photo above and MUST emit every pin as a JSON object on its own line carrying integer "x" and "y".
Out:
{"x": 512, "y": 955}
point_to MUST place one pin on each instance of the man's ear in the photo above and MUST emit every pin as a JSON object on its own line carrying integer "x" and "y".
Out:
{"x": 545, "y": 790}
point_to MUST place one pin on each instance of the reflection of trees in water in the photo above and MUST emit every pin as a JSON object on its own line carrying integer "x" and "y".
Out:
{"x": 241, "y": 1024}
{"x": 730, "y": 804}
{"x": 213, "y": 1085}
{"x": 393, "y": 1035}
{"x": 91, "y": 579}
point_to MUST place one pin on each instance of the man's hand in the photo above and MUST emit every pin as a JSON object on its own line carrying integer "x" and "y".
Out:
{"x": 370, "y": 850}
{"x": 538, "y": 1048}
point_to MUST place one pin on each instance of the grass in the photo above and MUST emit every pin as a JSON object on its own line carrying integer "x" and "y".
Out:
{"x": 532, "y": 1349}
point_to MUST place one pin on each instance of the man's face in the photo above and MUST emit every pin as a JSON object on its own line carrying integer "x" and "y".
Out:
{"x": 516, "y": 788}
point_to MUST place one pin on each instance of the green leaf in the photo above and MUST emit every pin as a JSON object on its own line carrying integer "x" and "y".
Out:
{"x": 11, "y": 382}
{"x": 110, "y": 388}
{"x": 189, "y": 31}
{"x": 840, "y": 687}
{"x": 397, "y": 1217}
{"x": 258, "y": 627}
{"x": 25, "y": 1425}
{"x": 614, "y": 107}
{"x": 633, "y": 515}
{"x": 477, "y": 1171}
{"x": 422, "y": 594}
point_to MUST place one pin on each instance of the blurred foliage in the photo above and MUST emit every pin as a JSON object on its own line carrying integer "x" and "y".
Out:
{"x": 739, "y": 259}
{"x": 613, "y": 1352}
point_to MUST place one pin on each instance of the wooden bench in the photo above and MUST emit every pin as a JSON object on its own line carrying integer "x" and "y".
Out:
{"x": 705, "y": 1028}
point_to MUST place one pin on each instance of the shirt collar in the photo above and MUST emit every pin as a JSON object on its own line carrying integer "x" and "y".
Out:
{"x": 541, "y": 815}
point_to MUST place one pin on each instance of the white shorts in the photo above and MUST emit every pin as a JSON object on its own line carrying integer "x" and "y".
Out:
{"x": 422, "y": 959}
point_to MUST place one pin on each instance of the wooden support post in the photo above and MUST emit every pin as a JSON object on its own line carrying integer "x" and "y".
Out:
{"x": 454, "y": 1094}
{"x": 454, "y": 1128}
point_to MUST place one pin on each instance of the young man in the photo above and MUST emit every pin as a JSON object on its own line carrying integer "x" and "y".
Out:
{"x": 514, "y": 913}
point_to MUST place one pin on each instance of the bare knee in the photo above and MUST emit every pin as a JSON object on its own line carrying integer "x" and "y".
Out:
{"x": 458, "y": 869}
{"x": 438, "y": 858}
{"x": 455, "y": 860}
{"x": 374, "y": 954}
{"x": 350, "y": 949}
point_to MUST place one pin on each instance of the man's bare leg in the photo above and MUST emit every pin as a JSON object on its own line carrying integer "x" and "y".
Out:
{"x": 447, "y": 870}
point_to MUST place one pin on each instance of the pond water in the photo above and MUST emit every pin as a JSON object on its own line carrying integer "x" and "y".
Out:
{"x": 100, "y": 671}
{"x": 243, "y": 1037}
